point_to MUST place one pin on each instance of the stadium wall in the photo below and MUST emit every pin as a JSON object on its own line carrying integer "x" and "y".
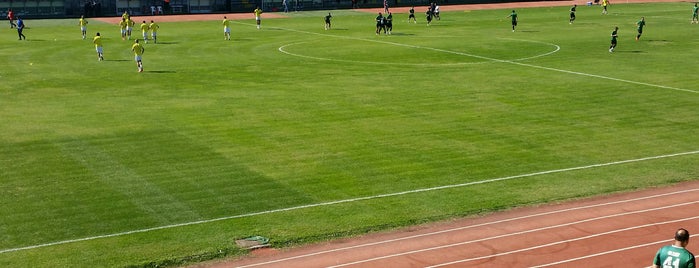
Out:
{"x": 108, "y": 8}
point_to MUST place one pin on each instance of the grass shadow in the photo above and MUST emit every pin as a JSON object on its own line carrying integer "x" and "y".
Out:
{"x": 161, "y": 72}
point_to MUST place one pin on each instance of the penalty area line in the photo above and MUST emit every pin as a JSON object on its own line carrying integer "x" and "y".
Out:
{"x": 351, "y": 200}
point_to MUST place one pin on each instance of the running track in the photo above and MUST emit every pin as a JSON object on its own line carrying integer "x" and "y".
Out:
{"x": 622, "y": 230}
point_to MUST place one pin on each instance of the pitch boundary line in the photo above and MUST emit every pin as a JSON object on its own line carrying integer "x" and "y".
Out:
{"x": 474, "y": 226}
{"x": 351, "y": 200}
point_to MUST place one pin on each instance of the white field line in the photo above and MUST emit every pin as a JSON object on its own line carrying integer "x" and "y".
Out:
{"x": 473, "y": 226}
{"x": 282, "y": 49}
{"x": 351, "y": 200}
{"x": 492, "y": 59}
{"x": 607, "y": 252}
{"x": 565, "y": 241}
{"x": 515, "y": 234}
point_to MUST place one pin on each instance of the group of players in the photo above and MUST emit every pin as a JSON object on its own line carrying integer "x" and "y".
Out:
{"x": 126, "y": 25}
{"x": 432, "y": 12}
{"x": 385, "y": 23}
{"x": 19, "y": 24}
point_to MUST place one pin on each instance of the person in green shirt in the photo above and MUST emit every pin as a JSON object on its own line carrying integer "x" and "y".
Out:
{"x": 327, "y": 21}
{"x": 640, "y": 25}
{"x": 412, "y": 15}
{"x": 379, "y": 23}
{"x": 513, "y": 15}
{"x": 389, "y": 23}
{"x": 695, "y": 13}
{"x": 614, "y": 37}
{"x": 675, "y": 255}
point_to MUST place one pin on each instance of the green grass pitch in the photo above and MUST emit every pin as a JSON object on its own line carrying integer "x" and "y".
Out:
{"x": 102, "y": 166}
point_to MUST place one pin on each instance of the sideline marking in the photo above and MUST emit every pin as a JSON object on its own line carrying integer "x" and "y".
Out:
{"x": 472, "y": 226}
{"x": 498, "y": 60}
{"x": 350, "y": 200}
{"x": 282, "y": 50}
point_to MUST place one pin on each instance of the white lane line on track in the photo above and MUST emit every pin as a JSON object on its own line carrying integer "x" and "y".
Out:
{"x": 351, "y": 200}
{"x": 514, "y": 234}
{"x": 474, "y": 226}
{"x": 564, "y": 241}
{"x": 607, "y": 252}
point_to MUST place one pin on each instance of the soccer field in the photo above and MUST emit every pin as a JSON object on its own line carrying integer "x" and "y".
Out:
{"x": 303, "y": 135}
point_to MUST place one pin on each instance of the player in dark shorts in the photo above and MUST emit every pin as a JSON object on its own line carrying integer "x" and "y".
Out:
{"x": 380, "y": 23}
{"x": 412, "y": 15}
{"x": 389, "y": 23}
{"x": 428, "y": 16}
{"x": 513, "y": 15}
{"x": 327, "y": 21}
{"x": 572, "y": 13}
{"x": 614, "y": 37}
{"x": 640, "y": 25}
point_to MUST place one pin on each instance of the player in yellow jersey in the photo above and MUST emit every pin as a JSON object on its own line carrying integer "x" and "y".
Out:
{"x": 257, "y": 12}
{"x": 144, "y": 31}
{"x": 129, "y": 27}
{"x": 226, "y": 29}
{"x": 122, "y": 27}
{"x": 98, "y": 47}
{"x": 126, "y": 15}
{"x": 138, "y": 52}
{"x": 605, "y": 3}
{"x": 83, "y": 26}
{"x": 154, "y": 31}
